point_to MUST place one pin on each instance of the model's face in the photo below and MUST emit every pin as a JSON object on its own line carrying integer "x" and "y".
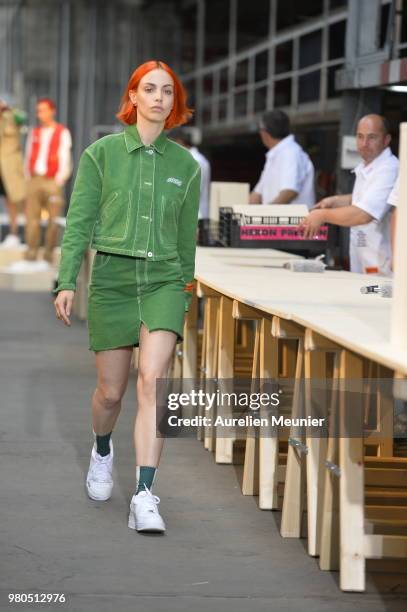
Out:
{"x": 371, "y": 139}
{"x": 45, "y": 114}
{"x": 154, "y": 96}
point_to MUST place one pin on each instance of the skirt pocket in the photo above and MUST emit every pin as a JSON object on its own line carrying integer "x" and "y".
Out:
{"x": 100, "y": 260}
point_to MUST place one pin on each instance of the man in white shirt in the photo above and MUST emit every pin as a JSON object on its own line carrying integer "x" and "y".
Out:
{"x": 48, "y": 165}
{"x": 288, "y": 174}
{"x": 366, "y": 209}
{"x": 183, "y": 137}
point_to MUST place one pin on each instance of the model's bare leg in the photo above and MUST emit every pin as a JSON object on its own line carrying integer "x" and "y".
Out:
{"x": 156, "y": 350}
{"x": 113, "y": 374}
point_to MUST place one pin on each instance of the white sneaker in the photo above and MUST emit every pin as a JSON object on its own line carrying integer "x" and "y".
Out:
{"x": 24, "y": 266}
{"x": 99, "y": 481}
{"x": 10, "y": 241}
{"x": 144, "y": 515}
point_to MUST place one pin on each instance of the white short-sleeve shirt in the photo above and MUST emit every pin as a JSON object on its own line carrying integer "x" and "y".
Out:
{"x": 393, "y": 198}
{"x": 370, "y": 247}
{"x": 205, "y": 182}
{"x": 287, "y": 167}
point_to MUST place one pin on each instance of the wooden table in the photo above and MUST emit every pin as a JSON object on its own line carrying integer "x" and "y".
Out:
{"x": 330, "y": 311}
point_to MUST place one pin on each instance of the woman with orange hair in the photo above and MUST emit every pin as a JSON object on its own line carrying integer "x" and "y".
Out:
{"x": 135, "y": 201}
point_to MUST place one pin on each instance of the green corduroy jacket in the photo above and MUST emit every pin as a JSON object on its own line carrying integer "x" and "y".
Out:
{"x": 133, "y": 199}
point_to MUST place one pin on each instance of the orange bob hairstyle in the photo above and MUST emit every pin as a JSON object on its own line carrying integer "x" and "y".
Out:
{"x": 180, "y": 112}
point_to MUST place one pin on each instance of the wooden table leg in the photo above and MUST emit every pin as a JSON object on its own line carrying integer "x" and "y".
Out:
{"x": 250, "y": 483}
{"x": 268, "y": 440}
{"x": 351, "y": 482}
{"x": 293, "y": 502}
{"x": 329, "y": 528}
{"x": 226, "y": 349}
{"x": 210, "y": 365}
{"x": 314, "y": 369}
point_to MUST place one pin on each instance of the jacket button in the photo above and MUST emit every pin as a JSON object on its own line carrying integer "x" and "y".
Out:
{"x": 150, "y": 254}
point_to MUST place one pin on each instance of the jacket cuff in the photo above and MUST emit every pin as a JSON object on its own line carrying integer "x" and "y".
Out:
{"x": 64, "y": 286}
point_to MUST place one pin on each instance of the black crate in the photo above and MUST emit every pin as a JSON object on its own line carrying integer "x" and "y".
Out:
{"x": 230, "y": 224}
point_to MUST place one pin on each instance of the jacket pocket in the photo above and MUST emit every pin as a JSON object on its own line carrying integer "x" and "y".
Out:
{"x": 168, "y": 221}
{"x": 114, "y": 217}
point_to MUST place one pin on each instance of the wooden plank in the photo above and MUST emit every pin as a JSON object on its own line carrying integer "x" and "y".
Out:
{"x": 268, "y": 443}
{"x": 392, "y": 513}
{"x": 385, "y": 417}
{"x": 203, "y": 290}
{"x": 390, "y": 462}
{"x": 314, "y": 369}
{"x": 315, "y": 342}
{"x": 380, "y": 546}
{"x": 288, "y": 357}
{"x": 386, "y": 477}
{"x": 329, "y": 531}
{"x": 250, "y": 482}
{"x": 242, "y": 311}
{"x": 351, "y": 484}
{"x": 283, "y": 328}
{"x": 293, "y": 501}
{"x": 200, "y": 429}
{"x": 226, "y": 349}
{"x": 211, "y": 363}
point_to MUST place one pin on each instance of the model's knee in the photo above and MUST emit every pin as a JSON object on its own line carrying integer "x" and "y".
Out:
{"x": 109, "y": 395}
{"x": 146, "y": 381}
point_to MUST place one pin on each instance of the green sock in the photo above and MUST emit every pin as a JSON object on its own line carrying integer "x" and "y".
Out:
{"x": 102, "y": 444}
{"x": 145, "y": 476}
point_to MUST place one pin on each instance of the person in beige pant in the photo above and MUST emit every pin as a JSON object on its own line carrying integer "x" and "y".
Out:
{"x": 11, "y": 167}
{"x": 42, "y": 192}
{"x": 48, "y": 166}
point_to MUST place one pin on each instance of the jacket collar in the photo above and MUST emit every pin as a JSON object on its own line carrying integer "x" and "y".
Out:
{"x": 133, "y": 140}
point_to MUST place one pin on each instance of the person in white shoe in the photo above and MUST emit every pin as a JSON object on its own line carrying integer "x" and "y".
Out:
{"x": 142, "y": 278}
{"x": 12, "y": 181}
{"x": 48, "y": 166}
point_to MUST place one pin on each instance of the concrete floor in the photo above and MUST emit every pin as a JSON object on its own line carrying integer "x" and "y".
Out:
{"x": 220, "y": 552}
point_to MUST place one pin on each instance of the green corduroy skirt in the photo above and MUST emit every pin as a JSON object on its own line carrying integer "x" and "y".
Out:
{"x": 127, "y": 291}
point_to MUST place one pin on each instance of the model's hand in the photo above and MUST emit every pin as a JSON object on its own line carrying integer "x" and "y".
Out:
{"x": 325, "y": 203}
{"x": 311, "y": 224}
{"x": 63, "y": 305}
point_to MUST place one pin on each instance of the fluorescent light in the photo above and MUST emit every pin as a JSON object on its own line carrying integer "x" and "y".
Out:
{"x": 397, "y": 88}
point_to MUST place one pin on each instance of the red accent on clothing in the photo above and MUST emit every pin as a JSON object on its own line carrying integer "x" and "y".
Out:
{"x": 52, "y": 161}
{"x": 189, "y": 287}
{"x": 372, "y": 270}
